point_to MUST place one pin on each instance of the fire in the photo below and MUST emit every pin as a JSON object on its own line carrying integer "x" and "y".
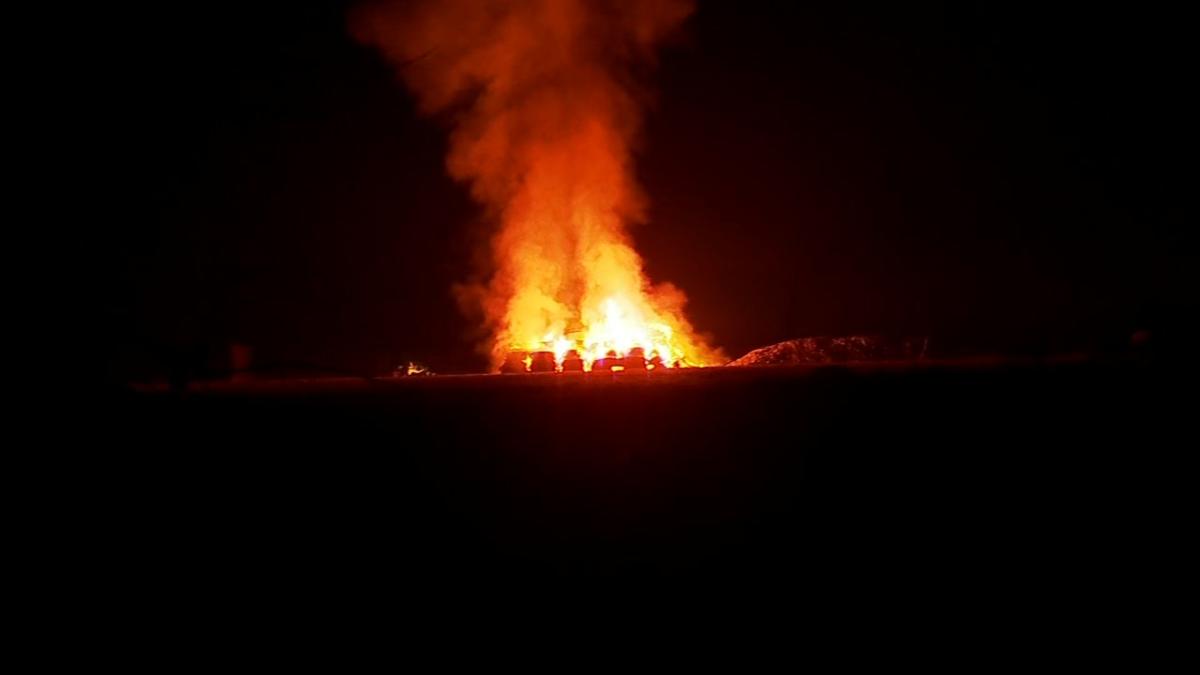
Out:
{"x": 545, "y": 108}
{"x": 619, "y": 326}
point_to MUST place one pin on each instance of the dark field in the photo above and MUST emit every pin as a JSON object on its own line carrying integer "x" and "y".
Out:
{"x": 977, "y": 483}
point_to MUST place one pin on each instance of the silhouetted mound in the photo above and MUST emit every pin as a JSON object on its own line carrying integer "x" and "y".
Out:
{"x": 851, "y": 349}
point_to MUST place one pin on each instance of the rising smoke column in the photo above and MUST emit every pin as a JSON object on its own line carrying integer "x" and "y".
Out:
{"x": 545, "y": 105}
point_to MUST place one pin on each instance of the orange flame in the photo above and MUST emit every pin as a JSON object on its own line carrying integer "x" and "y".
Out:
{"x": 545, "y": 110}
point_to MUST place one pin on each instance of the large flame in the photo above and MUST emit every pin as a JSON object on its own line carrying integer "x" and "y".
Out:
{"x": 543, "y": 98}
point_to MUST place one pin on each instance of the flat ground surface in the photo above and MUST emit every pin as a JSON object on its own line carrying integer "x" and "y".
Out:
{"x": 1011, "y": 480}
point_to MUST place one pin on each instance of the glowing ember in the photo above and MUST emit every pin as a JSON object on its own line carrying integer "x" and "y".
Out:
{"x": 545, "y": 112}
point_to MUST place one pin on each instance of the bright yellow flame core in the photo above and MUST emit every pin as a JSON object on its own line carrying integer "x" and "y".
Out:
{"x": 580, "y": 287}
{"x": 617, "y": 327}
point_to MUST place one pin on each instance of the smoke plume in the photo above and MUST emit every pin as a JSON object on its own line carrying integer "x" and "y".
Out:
{"x": 545, "y": 100}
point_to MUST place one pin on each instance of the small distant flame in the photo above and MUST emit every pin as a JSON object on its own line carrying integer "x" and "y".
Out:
{"x": 544, "y": 100}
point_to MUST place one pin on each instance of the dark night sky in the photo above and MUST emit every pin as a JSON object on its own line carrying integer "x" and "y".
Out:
{"x": 997, "y": 175}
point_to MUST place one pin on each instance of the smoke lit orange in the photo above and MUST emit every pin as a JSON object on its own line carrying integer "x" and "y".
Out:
{"x": 544, "y": 106}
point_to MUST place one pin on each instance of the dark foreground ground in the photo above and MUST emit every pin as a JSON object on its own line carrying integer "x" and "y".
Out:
{"x": 1041, "y": 487}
